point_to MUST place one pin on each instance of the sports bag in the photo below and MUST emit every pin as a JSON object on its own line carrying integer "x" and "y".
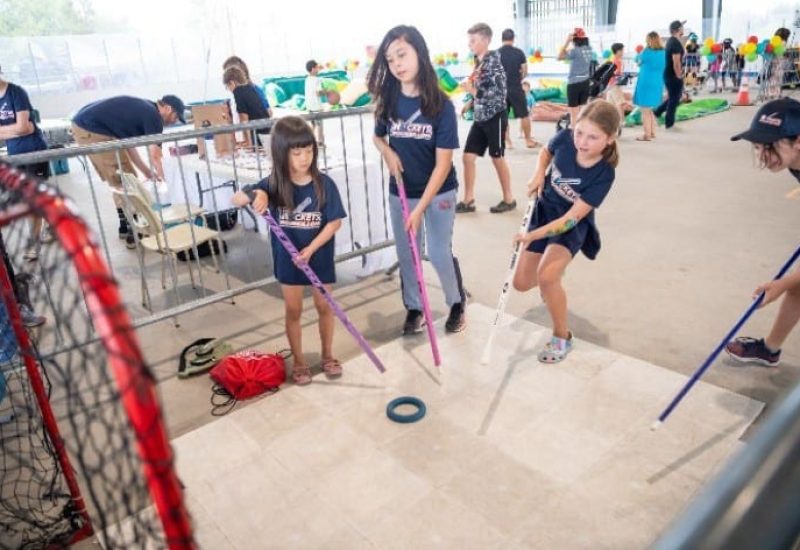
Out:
{"x": 244, "y": 375}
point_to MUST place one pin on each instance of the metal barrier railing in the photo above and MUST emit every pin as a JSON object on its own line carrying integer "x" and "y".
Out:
{"x": 204, "y": 184}
{"x": 755, "y": 500}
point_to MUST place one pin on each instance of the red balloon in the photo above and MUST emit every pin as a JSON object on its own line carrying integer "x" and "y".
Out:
{"x": 770, "y": 48}
{"x": 753, "y": 39}
{"x": 639, "y": 48}
{"x": 716, "y": 48}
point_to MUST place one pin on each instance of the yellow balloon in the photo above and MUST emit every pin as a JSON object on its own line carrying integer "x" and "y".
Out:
{"x": 776, "y": 41}
{"x": 749, "y": 48}
{"x": 709, "y": 42}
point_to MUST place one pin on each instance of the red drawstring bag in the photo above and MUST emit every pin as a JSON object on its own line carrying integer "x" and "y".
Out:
{"x": 244, "y": 375}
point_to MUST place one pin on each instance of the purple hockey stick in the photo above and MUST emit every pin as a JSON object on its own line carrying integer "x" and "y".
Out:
{"x": 423, "y": 292}
{"x": 305, "y": 268}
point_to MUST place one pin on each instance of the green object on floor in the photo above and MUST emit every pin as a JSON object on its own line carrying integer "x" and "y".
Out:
{"x": 686, "y": 111}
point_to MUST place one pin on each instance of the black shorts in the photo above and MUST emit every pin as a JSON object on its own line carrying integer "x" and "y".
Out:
{"x": 516, "y": 100}
{"x": 489, "y": 134}
{"x": 578, "y": 93}
{"x": 40, "y": 170}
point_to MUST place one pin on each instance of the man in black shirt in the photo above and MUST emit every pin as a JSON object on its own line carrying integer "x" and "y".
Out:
{"x": 673, "y": 74}
{"x": 248, "y": 104}
{"x": 516, "y": 66}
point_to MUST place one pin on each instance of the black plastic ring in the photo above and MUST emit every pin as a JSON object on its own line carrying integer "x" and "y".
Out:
{"x": 406, "y": 418}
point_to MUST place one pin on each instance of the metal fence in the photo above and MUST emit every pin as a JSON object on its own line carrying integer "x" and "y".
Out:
{"x": 203, "y": 168}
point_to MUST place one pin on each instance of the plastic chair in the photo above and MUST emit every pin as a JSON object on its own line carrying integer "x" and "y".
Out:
{"x": 151, "y": 235}
{"x": 175, "y": 213}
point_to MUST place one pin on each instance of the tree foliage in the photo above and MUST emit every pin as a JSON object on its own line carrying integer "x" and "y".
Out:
{"x": 46, "y": 17}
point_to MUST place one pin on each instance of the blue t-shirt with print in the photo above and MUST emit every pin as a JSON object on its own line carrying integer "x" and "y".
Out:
{"x": 120, "y": 117}
{"x": 302, "y": 224}
{"x": 415, "y": 138}
{"x": 13, "y": 101}
{"x": 566, "y": 182}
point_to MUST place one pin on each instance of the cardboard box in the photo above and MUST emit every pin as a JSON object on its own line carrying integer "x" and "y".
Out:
{"x": 214, "y": 114}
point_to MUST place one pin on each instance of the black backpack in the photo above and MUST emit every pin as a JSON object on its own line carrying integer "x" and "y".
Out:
{"x": 600, "y": 79}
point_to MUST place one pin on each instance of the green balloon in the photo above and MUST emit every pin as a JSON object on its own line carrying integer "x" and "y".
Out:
{"x": 779, "y": 50}
{"x": 751, "y": 56}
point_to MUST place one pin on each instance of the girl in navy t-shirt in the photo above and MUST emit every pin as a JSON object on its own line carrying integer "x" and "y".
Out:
{"x": 573, "y": 176}
{"x": 416, "y": 131}
{"x": 307, "y": 206}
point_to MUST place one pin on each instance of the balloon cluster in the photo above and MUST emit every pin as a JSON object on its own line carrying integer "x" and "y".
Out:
{"x": 444, "y": 59}
{"x": 767, "y": 47}
{"x": 349, "y": 65}
{"x": 535, "y": 55}
{"x": 710, "y": 49}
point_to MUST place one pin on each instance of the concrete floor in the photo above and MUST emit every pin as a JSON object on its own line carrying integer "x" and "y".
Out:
{"x": 514, "y": 455}
{"x": 689, "y": 229}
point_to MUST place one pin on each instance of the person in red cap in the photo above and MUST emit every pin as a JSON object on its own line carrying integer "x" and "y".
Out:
{"x": 579, "y": 77}
{"x": 775, "y": 135}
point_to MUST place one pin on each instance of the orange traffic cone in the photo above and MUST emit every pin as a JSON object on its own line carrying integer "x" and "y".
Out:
{"x": 743, "y": 97}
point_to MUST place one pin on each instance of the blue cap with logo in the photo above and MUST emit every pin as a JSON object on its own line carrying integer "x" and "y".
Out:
{"x": 774, "y": 121}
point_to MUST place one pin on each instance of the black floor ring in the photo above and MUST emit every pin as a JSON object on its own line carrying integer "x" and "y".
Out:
{"x": 406, "y": 418}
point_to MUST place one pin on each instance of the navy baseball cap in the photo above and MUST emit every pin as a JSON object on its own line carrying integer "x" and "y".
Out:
{"x": 775, "y": 120}
{"x": 176, "y": 104}
{"x": 675, "y": 25}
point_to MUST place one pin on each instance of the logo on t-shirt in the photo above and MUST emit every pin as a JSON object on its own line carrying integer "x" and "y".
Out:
{"x": 6, "y": 113}
{"x": 564, "y": 186}
{"x": 299, "y": 220}
{"x": 411, "y": 129}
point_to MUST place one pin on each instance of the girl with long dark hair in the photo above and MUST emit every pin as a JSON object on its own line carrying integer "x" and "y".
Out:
{"x": 416, "y": 132}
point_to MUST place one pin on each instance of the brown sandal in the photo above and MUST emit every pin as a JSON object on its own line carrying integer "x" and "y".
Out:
{"x": 332, "y": 368}
{"x": 643, "y": 138}
{"x": 301, "y": 375}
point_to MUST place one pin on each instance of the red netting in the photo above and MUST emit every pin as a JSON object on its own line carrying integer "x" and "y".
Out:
{"x": 67, "y": 351}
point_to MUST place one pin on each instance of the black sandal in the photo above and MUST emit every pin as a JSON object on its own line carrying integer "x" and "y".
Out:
{"x": 503, "y": 206}
{"x": 465, "y": 207}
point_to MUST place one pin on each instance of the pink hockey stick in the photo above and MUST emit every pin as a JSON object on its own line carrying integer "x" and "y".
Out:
{"x": 423, "y": 292}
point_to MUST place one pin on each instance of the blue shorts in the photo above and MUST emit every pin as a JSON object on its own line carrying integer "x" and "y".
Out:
{"x": 582, "y": 238}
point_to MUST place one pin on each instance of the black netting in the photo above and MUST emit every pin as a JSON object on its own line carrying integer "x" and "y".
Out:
{"x": 37, "y": 507}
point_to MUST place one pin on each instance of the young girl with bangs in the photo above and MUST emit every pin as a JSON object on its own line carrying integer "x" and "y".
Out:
{"x": 308, "y": 207}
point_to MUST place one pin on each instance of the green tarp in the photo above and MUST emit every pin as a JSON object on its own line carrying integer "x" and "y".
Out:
{"x": 686, "y": 111}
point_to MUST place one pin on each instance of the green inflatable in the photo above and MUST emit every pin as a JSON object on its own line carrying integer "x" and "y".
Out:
{"x": 686, "y": 111}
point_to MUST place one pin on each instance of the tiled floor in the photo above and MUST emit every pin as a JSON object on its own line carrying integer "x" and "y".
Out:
{"x": 512, "y": 455}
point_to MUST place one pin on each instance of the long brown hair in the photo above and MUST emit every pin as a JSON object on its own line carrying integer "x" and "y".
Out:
{"x": 289, "y": 133}
{"x": 654, "y": 41}
{"x": 606, "y": 117}
{"x": 385, "y": 88}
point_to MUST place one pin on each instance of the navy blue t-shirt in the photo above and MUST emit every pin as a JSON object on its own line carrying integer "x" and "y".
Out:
{"x": 302, "y": 224}
{"x": 13, "y": 101}
{"x": 415, "y": 138}
{"x": 261, "y": 95}
{"x": 120, "y": 117}
{"x": 567, "y": 182}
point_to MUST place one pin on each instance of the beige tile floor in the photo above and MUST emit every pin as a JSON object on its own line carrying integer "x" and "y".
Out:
{"x": 512, "y": 455}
